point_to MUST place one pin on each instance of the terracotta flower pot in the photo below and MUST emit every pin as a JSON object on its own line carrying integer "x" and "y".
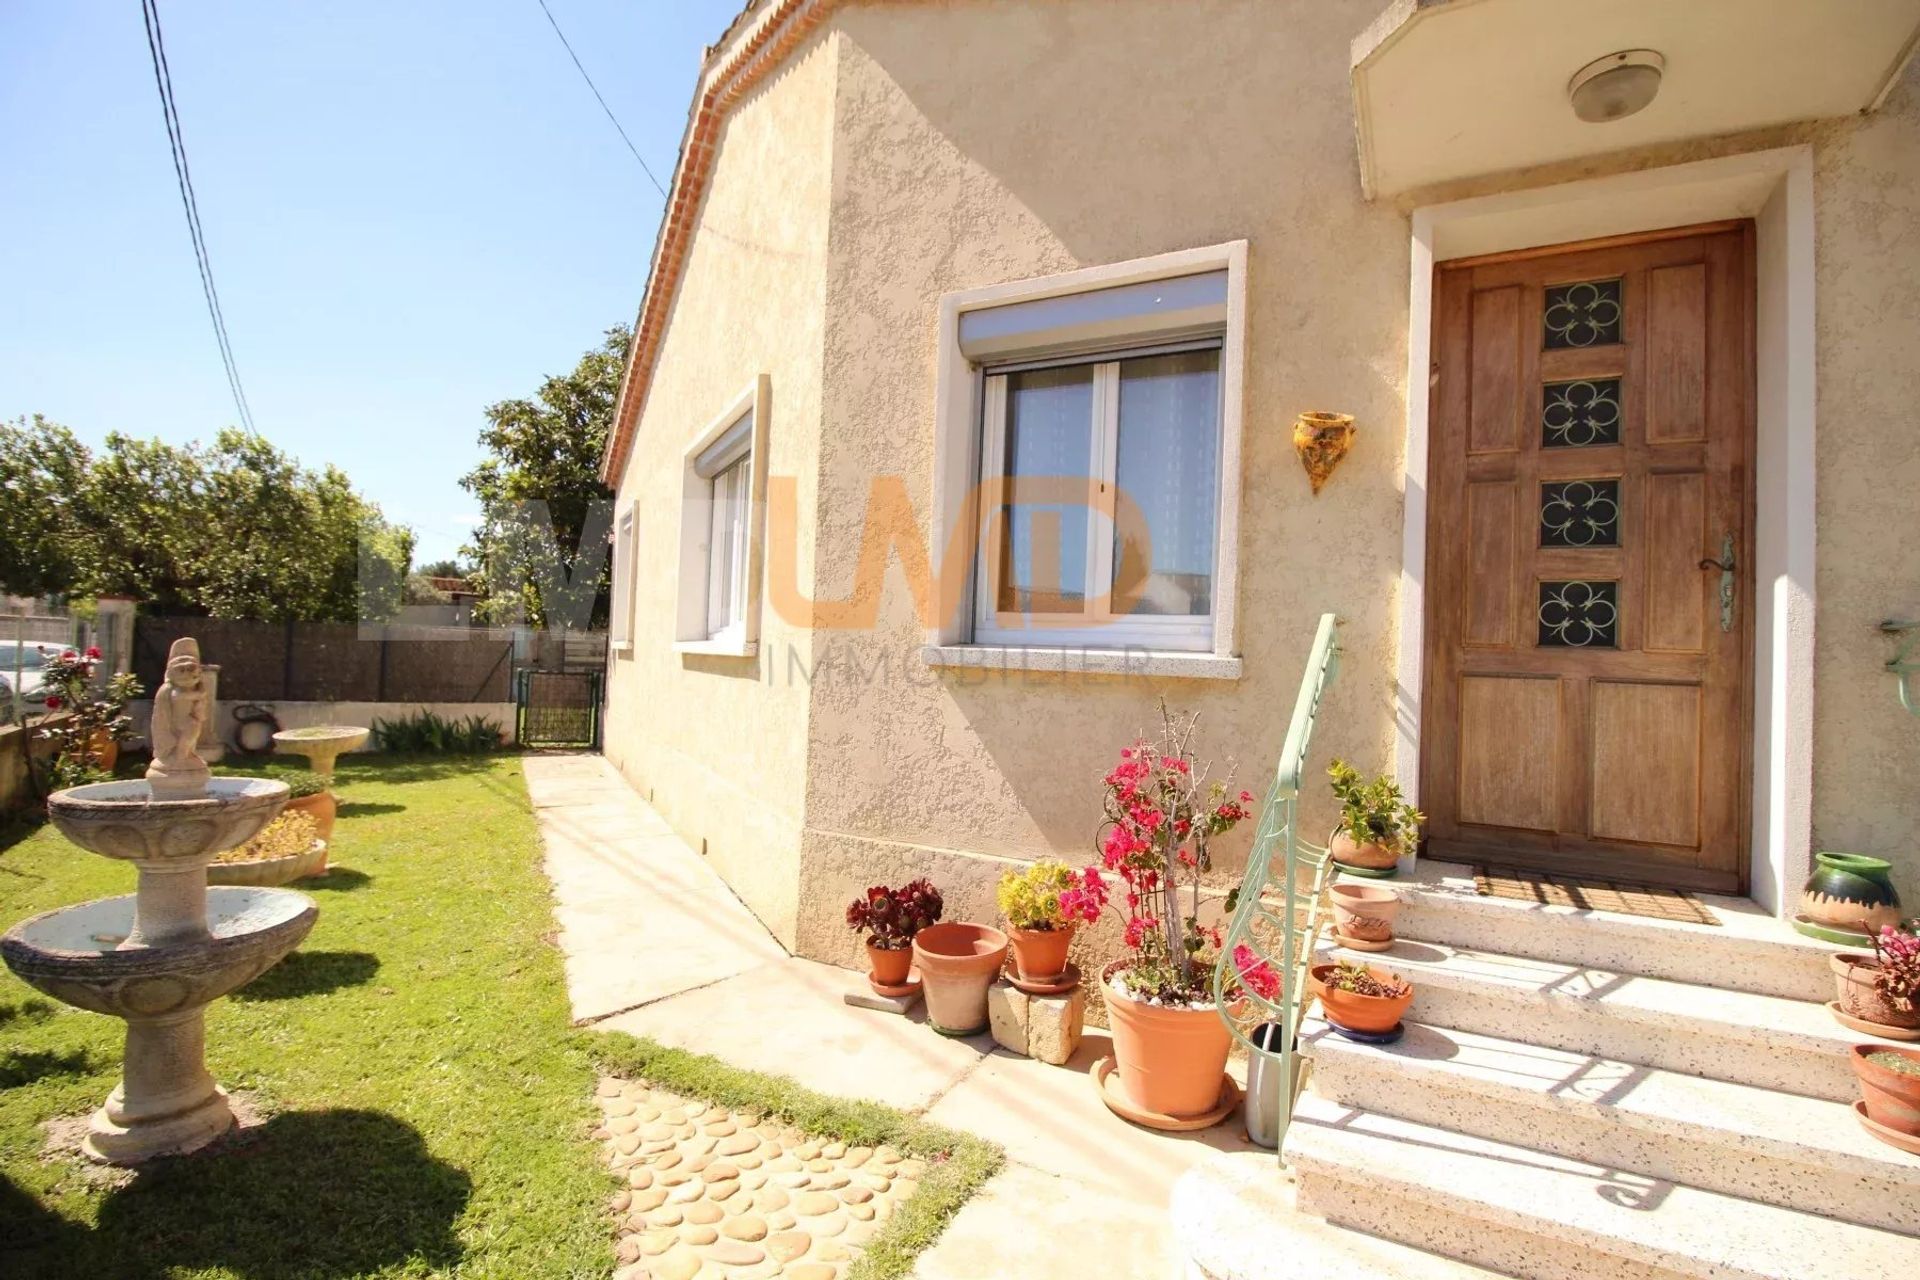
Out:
{"x": 1364, "y": 911}
{"x": 1371, "y": 857}
{"x": 1040, "y": 955}
{"x": 958, "y": 962}
{"x": 1853, "y": 975}
{"x": 1892, "y": 1098}
{"x": 321, "y": 808}
{"x": 1170, "y": 1060}
{"x": 1850, "y": 892}
{"x": 889, "y": 968}
{"x": 104, "y": 748}
{"x": 1357, "y": 1012}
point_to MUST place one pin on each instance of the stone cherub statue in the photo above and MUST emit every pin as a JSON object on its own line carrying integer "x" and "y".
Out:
{"x": 180, "y": 710}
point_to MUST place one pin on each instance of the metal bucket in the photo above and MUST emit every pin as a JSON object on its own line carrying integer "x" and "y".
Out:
{"x": 1263, "y": 1110}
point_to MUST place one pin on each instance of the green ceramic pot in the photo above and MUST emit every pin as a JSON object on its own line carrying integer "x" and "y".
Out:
{"x": 1850, "y": 892}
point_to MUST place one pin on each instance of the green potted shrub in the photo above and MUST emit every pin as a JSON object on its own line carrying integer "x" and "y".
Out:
{"x": 309, "y": 793}
{"x": 1377, "y": 825}
{"x": 1039, "y": 927}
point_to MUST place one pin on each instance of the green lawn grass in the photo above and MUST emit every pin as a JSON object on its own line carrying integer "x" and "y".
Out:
{"x": 430, "y": 1110}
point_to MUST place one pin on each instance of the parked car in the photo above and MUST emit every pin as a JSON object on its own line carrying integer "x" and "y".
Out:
{"x": 28, "y": 661}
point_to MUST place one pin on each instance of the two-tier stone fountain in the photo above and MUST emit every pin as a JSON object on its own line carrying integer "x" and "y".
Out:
{"x": 159, "y": 956}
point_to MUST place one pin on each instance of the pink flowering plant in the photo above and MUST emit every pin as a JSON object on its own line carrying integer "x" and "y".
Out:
{"x": 890, "y": 917}
{"x": 1898, "y": 978}
{"x": 79, "y": 710}
{"x": 1161, "y": 816}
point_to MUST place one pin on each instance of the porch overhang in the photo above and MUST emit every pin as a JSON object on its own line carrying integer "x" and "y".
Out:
{"x": 1451, "y": 89}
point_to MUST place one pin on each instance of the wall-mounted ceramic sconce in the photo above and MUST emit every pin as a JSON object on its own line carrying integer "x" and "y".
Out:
{"x": 1322, "y": 439}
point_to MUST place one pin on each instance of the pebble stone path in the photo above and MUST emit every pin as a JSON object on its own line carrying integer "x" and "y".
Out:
{"x": 716, "y": 1193}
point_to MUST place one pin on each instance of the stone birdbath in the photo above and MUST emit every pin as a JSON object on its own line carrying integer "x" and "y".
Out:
{"x": 322, "y": 744}
{"x": 157, "y": 957}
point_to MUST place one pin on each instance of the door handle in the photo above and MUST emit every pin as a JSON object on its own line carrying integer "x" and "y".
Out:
{"x": 1725, "y": 565}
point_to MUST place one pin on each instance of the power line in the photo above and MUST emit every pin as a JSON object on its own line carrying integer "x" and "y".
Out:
{"x": 163, "y": 80}
{"x": 603, "y": 102}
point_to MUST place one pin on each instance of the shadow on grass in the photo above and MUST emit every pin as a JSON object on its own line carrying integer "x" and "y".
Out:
{"x": 24, "y": 1066}
{"x": 17, "y": 827}
{"x": 30, "y": 1010}
{"x": 414, "y": 768}
{"x": 337, "y": 880}
{"x": 314, "y": 1194}
{"x": 365, "y": 808}
{"x": 307, "y": 973}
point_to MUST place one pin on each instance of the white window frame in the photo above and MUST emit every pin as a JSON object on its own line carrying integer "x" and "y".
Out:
{"x": 1097, "y": 627}
{"x": 701, "y": 530}
{"x": 620, "y": 607}
{"x": 956, "y": 639}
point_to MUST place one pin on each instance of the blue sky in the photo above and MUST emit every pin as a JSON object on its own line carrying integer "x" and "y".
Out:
{"x": 412, "y": 209}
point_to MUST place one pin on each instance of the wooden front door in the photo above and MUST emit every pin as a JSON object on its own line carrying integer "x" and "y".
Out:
{"x": 1586, "y": 694}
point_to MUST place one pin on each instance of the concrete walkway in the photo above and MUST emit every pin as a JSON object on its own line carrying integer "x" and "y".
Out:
{"x": 657, "y": 945}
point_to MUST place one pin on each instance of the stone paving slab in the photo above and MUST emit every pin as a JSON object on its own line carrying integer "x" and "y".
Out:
{"x": 657, "y": 945}
{"x": 641, "y": 915}
{"x": 790, "y": 1018}
{"x": 712, "y": 1192}
{"x": 1026, "y": 1223}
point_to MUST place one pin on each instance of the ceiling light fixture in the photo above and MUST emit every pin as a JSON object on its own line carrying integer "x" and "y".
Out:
{"x": 1616, "y": 86}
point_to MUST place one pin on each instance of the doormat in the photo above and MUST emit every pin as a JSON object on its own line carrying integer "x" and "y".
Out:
{"x": 1591, "y": 895}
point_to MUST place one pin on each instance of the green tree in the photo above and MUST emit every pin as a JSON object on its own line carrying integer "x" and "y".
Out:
{"x": 239, "y": 530}
{"x": 539, "y": 550}
{"x": 42, "y": 468}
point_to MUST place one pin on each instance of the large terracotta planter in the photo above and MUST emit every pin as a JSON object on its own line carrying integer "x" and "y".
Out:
{"x": 1368, "y": 857}
{"x": 1370, "y": 1014}
{"x": 1170, "y": 1060}
{"x": 1850, "y": 892}
{"x": 1364, "y": 911}
{"x": 321, "y": 808}
{"x": 958, "y": 962}
{"x": 1853, "y": 976}
{"x": 1893, "y": 1099}
{"x": 1040, "y": 955}
{"x": 889, "y": 967}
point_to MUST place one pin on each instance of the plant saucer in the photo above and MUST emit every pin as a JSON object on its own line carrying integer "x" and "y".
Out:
{"x": 1062, "y": 982}
{"x": 1367, "y": 873}
{"x": 1866, "y": 1028}
{"x": 1827, "y": 933}
{"x": 911, "y": 987}
{"x": 1370, "y": 1037}
{"x": 1361, "y": 944}
{"x": 1106, "y": 1078}
{"x": 1892, "y": 1137}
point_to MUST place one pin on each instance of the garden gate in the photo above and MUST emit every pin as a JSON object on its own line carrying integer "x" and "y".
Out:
{"x": 557, "y": 708}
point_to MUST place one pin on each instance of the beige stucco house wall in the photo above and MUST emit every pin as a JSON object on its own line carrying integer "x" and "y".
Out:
{"x": 904, "y": 151}
{"x": 720, "y": 750}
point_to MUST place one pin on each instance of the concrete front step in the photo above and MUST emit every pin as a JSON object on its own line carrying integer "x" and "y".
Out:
{"x": 1790, "y": 1045}
{"x": 1800, "y": 1153}
{"x": 1235, "y": 1219}
{"x": 1748, "y": 950}
{"x": 1541, "y": 1216}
